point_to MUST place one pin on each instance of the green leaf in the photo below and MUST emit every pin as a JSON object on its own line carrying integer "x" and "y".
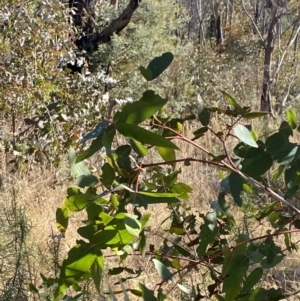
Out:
{"x": 116, "y": 271}
{"x": 139, "y": 148}
{"x": 182, "y": 251}
{"x": 78, "y": 202}
{"x": 146, "y": 73}
{"x": 276, "y": 143}
{"x": 96, "y": 131}
{"x": 292, "y": 177}
{"x": 296, "y": 223}
{"x": 292, "y": 118}
{"x": 79, "y": 261}
{"x": 142, "y": 244}
{"x": 157, "y": 66}
{"x": 114, "y": 235}
{"x": 95, "y": 146}
{"x": 32, "y": 288}
{"x": 225, "y": 208}
{"x": 247, "y": 152}
{"x": 236, "y": 187}
{"x": 174, "y": 124}
{"x": 93, "y": 210}
{"x": 273, "y": 253}
{"x": 204, "y": 115}
{"x": 200, "y": 132}
{"x": 62, "y": 219}
{"x": 144, "y": 219}
{"x": 186, "y": 290}
{"x": 238, "y": 266}
{"x": 181, "y": 190}
{"x": 77, "y": 169}
{"x": 224, "y": 184}
{"x": 148, "y": 295}
{"x": 286, "y": 129}
{"x": 232, "y": 292}
{"x": 107, "y": 139}
{"x": 133, "y": 226}
{"x": 144, "y": 136}
{"x": 253, "y": 115}
{"x": 123, "y": 150}
{"x": 135, "y": 292}
{"x": 108, "y": 175}
{"x": 139, "y": 111}
{"x": 144, "y": 199}
{"x": 96, "y": 272}
{"x": 232, "y": 101}
{"x": 244, "y": 135}
{"x": 254, "y": 277}
{"x": 257, "y": 166}
{"x": 208, "y": 232}
{"x": 265, "y": 295}
{"x": 86, "y": 180}
{"x": 158, "y": 194}
{"x": 289, "y": 155}
{"x": 163, "y": 271}
{"x": 168, "y": 154}
{"x": 278, "y": 172}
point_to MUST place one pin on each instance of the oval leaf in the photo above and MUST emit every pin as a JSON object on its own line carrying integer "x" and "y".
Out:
{"x": 163, "y": 271}
{"x": 144, "y": 136}
{"x": 252, "y": 279}
{"x": 204, "y": 115}
{"x": 168, "y": 154}
{"x": 139, "y": 148}
{"x": 258, "y": 166}
{"x": 146, "y": 73}
{"x": 137, "y": 112}
{"x": 292, "y": 118}
{"x": 244, "y": 135}
{"x": 148, "y": 295}
{"x": 96, "y": 131}
{"x": 236, "y": 187}
{"x": 253, "y": 115}
{"x": 186, "y": 290}
{"x": 231, "y": 101}
{"x": 276, "y": 143}
{"x": 133, "y": 226}
{"x": 157, "y": 66}
{"x": 77, "y": 169}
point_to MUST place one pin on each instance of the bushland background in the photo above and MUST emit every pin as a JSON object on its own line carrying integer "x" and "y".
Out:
{"x": 56, "y": 86}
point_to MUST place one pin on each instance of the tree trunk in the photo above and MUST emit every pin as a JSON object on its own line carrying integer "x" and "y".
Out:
{"x": 219, "y": 33}
{"x": 201, "y": 35}
{"x": 266, "y": 103}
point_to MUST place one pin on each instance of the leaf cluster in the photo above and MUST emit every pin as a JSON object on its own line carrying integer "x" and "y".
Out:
{"x": 235, "y": 262}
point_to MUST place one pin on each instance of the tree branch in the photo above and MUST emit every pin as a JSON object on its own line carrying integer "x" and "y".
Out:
{"x": 90, "y": 41}
{"x": 253, "y": 23}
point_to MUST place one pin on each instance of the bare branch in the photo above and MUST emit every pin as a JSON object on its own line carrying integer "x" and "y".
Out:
{"x": 285, "y": 52}
{"x": 255, "y": 26}
{"x": 288, "y": 92}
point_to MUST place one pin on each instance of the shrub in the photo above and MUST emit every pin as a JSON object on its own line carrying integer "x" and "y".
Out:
{"x": 259, "y": 176}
